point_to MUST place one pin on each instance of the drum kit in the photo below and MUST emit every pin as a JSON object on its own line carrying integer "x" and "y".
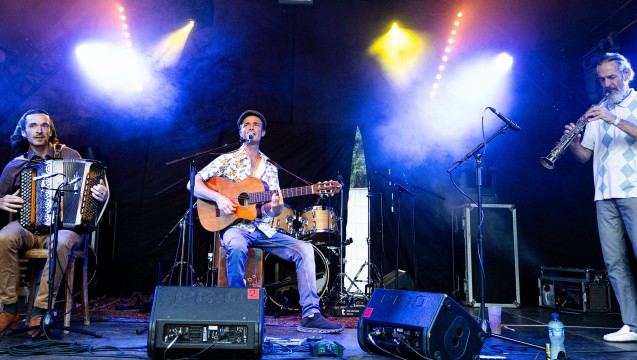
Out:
{"x": 318, "y": 225}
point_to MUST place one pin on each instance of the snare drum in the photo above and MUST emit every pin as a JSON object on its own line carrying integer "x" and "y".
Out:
{"x": 319, "y": 224}
{"x": 284, "y": 223}
{"x": 281, "y": 282}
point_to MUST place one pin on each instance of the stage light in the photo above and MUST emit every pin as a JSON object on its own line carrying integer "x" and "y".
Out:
{"x": 111, "y": 68}
{"x": 168, "y": 51}
{"x": 399, "y": 52}
{"x": 505, "y": 60}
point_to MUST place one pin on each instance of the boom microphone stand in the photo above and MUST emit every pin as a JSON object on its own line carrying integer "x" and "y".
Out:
{"x": 191, "y": 202}
{"x": 48, "y": 319}
{"x": 482, "y": 319}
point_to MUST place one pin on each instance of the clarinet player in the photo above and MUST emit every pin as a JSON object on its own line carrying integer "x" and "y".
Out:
{"x": 610, "y": 139}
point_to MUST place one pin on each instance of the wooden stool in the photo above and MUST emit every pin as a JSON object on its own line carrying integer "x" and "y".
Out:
{"x": 254, "y": 267}
{"x": 43, "y": 254}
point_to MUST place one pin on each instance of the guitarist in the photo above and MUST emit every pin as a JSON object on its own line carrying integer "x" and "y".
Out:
{"x": 237, "y": 166}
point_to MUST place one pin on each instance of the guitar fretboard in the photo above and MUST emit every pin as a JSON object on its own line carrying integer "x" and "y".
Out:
{"x": 265, "y": 196}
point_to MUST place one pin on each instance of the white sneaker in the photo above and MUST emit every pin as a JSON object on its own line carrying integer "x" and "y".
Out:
{"x": 623, "y": 335}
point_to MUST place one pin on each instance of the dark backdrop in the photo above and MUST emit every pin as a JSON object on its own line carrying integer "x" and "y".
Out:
{"x": 306, "y": 68}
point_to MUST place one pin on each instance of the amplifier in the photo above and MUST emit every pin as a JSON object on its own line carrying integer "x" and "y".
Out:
{"x": 206, "y": 322}
{"x": 580, "y": 290}
{"x": 417, "y": 325}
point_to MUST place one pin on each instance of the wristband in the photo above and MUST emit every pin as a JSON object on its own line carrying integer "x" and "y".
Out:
{"x": 616, "y": 122}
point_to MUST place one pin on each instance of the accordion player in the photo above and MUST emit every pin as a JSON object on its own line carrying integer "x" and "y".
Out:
{"x": 79, "y": 211}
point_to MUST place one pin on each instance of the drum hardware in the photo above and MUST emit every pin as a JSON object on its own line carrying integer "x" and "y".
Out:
{"x": 342, "y": 296}
{"x": 281, "y": 282}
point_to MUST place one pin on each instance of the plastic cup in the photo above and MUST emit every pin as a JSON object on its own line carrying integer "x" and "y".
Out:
{"x": 495, "y": 318}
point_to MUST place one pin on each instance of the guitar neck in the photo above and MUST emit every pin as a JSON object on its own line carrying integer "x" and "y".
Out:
{"x": 265, "y": 196}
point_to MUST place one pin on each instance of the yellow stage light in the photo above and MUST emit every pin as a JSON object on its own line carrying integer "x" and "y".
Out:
{"x": 399, "y": 52}
{"x": 169, "y": 49}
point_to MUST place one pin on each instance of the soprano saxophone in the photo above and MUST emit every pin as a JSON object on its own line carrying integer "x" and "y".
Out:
{"x": 549, "y": 160}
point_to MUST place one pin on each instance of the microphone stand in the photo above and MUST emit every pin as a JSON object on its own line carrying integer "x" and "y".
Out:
{"x": 48, "y": 319}
{"x": 413, "y": 224}
{"x": 482, "y": 318}
{"x": 191, "y": 201}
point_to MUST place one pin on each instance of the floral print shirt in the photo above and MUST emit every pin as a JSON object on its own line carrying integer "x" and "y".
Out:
{"x": 236, "y": 166}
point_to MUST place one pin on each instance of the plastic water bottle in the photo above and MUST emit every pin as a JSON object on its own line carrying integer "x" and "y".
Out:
{"x": 556, "y": 335}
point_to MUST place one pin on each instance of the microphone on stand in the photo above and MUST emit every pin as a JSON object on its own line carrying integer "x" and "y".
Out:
{"x": 76, "y": 188}
{"x": 511, "y": 124}
{"x": 248, "y": 140}
{"x": 74, "y": 181}
{"x": 45, "y": 176}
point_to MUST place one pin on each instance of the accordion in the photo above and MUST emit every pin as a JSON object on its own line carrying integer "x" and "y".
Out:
{"x": 79, "y": 211}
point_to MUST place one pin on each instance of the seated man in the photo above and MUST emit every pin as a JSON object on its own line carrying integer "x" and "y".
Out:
{"x": 237, "y": 166}
{"x": 36, "y": 140}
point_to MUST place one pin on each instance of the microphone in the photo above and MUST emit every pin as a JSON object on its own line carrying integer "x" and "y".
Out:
{"x": 74, "y": 180}
{"x": 45, "y": 176}
{"x": 248, "y": 140}
{"x": 511, "y": 124}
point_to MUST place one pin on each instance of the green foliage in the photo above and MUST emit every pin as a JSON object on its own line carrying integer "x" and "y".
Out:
{"x": 358, "y": 179}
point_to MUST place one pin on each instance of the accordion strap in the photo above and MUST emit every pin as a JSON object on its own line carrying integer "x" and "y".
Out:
{"x": 57, "y": 151}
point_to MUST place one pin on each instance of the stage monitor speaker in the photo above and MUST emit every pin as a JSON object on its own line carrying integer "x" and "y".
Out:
{"x": 415, "y": 325}
{"x": 206, "y": 322}
{"x": 404, "y": 281}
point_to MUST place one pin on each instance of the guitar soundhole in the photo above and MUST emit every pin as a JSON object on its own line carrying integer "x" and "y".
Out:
{"x": 244, "y": 199}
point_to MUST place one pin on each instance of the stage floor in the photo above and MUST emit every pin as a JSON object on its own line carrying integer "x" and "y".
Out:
{"x": 120, "y": 339}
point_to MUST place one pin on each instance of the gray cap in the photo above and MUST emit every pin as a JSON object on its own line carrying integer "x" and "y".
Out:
{"x": 247, "y": 113}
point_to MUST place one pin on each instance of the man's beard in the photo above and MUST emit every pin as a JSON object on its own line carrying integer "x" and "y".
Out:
{"x": 618, "y": 95}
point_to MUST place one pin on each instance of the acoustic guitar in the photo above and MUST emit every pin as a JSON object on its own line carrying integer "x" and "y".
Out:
{"x": 246, "y": 195}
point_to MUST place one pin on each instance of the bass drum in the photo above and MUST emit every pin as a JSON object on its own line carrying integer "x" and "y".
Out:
{"x": 280, "y": 280}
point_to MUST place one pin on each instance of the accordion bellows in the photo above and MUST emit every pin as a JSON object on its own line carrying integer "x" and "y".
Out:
{"x": 72, "y": 179}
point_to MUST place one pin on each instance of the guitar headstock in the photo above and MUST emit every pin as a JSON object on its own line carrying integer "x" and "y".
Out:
{"x": 326, "y": 188}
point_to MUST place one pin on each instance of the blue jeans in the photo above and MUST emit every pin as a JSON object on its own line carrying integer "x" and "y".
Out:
{"x": 617, "y": 222}
{"x": 236, "y": 242}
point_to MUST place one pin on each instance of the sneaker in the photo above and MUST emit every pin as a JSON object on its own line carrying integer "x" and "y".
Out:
{"x": 316, "y": 323}
{"x": 623, "y": 335}
{"x": 8, "y": 321}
